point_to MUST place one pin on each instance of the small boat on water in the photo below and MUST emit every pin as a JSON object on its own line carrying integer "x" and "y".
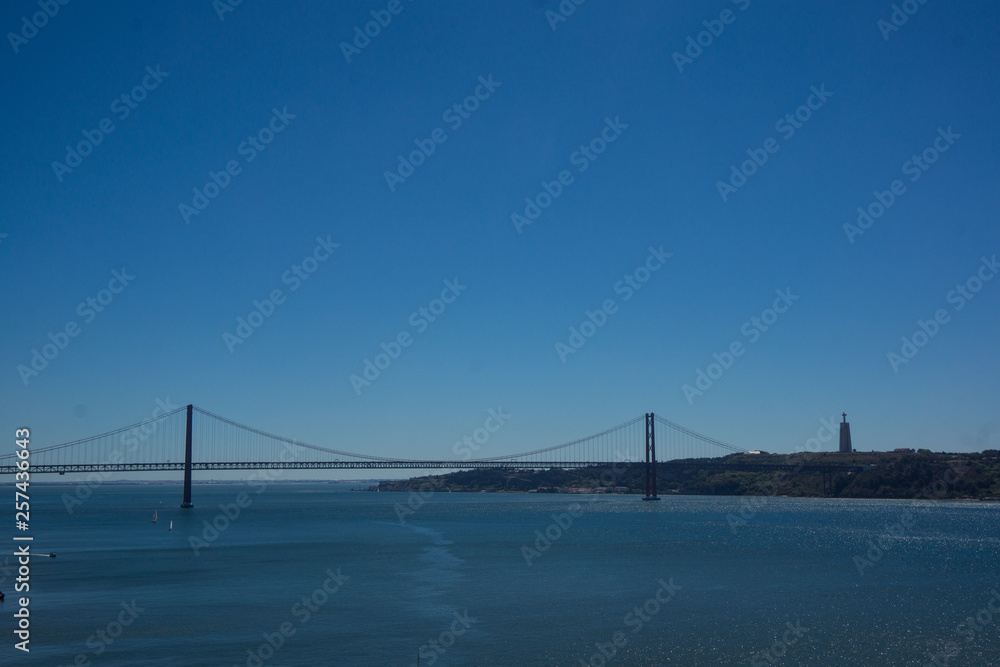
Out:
{"x": 154, "y": 516}
{"x": 171, "y": 526}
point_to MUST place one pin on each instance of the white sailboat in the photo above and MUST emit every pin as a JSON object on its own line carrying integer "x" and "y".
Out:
{"x": 171, "y": 526}
{"x": 154, "y": 516}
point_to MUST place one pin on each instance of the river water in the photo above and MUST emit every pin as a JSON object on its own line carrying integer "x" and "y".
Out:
{"x": 316, "y": 574}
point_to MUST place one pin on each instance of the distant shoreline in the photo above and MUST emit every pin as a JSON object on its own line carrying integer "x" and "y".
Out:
{"x": 874, "y": 475}
{"x": 373, "y": 486}
{"x": 877, "y": 475}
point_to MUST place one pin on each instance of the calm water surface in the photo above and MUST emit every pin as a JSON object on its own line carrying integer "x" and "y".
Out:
{"x": 675, "y": 579}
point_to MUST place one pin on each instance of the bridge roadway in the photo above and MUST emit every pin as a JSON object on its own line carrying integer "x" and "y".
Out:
{"x": 685, "y": 464}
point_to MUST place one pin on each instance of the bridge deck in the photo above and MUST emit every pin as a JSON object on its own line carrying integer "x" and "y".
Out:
{"x": 426, "y": 465}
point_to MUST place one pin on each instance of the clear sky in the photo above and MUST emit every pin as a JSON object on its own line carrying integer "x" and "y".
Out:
{"x": 309, "y": 117}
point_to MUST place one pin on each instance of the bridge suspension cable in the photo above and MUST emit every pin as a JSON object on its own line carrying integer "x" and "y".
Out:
{"x": 221, "y": 443}
{"x": 148, "y": 441}
{"x": 698, "y": 436}
{"x": 257, "y": 437}
{"x": 598, "y": 443}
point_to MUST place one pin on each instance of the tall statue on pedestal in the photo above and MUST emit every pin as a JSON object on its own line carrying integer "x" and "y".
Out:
{"x": 845, "y": 437}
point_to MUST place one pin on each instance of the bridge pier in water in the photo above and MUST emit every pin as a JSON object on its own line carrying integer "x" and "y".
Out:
{"x": 650, "y": 458}
{"x": 186, "y": 503}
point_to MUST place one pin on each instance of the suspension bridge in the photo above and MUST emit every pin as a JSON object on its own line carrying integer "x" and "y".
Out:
{"x": 177, "y": 441}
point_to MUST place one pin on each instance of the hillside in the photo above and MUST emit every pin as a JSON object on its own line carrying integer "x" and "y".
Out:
{"x": 887, "y": 475}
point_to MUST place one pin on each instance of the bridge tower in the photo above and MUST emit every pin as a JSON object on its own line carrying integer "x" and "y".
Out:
{"x": 186, "y": 504}
{"x": 650, "y": 459}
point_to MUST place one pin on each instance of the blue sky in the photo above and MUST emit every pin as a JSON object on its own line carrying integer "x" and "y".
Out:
{"x": 554, "y": 90}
